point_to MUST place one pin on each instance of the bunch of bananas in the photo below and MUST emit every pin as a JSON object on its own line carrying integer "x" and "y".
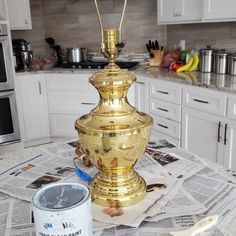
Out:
{"x": 191, "y": 65}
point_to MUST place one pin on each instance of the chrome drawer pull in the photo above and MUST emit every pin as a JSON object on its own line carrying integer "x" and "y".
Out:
{"x": 137, "y": 82}
{"x": 202, "y": 101}
{"x": 225, "y": 137}
{"x": 163, "y": 126}
{"x": 162, "y": 109}
{"x": 159, "y": 91}
{"x": 219, "y": 125}
{"x": 88, "y": 103}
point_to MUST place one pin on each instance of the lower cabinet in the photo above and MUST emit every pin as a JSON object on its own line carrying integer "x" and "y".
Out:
{"x": 142, "y": 94}
{"x": 230, "y": 145}
{"x": 201, "y": 134}
{"x": 209, "y": 136}
{"x": 32, "y": 108}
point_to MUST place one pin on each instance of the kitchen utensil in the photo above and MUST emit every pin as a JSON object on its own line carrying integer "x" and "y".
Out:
{"x": 76, "y": 55}
{"x": 232, "y": 64}
{"x": 220, "y": 66}
{"x": 201, "y": 226}
{"x": 153, "y": 45}
{"x": 50, "y": 41}
{"x": 148, "y": 48}
{"x": 156, "y": 45}
{"x": 206, "y": 60}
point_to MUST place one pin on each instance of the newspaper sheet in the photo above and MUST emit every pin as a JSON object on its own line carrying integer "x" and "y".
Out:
{"x": 55, "y": 162}
{"x": 182, "y": 204}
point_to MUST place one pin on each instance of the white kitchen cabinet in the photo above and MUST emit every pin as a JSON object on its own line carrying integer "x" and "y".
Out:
{"x": 3, "y": 15}
{"x": 230, "y": 145}
{"x": 69, "y": 97}
{"x": 165, "y": 107}
{"x": 19, "y": 14}
{"x": 202, "y": 133}
{"x": 142, "y": 94}
{"x": 179, "y": 11}
{"x": 218, "y": 10}
{"x": 32, "y": 108}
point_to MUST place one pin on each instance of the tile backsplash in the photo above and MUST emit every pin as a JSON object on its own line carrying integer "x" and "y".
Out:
{"x": 74, "y": 23}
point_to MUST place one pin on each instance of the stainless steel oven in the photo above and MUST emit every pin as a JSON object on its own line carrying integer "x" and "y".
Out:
{"x": 9, "y": 128}
{"x": 6, "y": 66}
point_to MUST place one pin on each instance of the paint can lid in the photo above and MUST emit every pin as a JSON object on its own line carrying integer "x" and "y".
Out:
{"x": 60, "y": 196}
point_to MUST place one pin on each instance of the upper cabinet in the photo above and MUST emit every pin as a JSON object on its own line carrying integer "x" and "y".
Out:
{"x": 19, "y": 14}
{"x": 2, "y": 10}
{"x": 192, "y": 11}
{"x": 218, "y": 10}
{"x": 179, "y": 11}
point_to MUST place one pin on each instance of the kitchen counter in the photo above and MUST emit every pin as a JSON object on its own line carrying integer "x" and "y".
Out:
{"x": 221, "y": 82}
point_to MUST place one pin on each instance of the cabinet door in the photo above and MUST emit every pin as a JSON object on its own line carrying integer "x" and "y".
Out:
{"x": 19, "y": 14}
{"x": 166, "y": 11}
{"x": 141, "y": 95}
{"x": 202, "y": 134}
{"x": 34, "y": 107}
{"x": 219, "y": 10}
{"x": 230, "y": 145}
{"x": 2, "y": 10}
{"x": 179, "y": 11}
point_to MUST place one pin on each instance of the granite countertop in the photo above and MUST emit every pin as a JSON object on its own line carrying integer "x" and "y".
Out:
{"x": 220, "y": 82}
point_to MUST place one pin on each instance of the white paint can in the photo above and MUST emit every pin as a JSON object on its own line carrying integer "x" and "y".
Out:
{"x": 63, "y": 209}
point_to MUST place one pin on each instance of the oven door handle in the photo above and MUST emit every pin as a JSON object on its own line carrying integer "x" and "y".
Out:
{"x": 6, "y": 93}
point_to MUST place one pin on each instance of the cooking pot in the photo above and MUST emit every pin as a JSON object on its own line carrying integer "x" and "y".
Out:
{"x": 76, "y": 55}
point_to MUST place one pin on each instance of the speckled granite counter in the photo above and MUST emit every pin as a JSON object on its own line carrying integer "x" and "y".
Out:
{"x": 220, "y": 82}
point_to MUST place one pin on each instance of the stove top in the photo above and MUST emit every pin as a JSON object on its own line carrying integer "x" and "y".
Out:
{"x": 98, "y": 64}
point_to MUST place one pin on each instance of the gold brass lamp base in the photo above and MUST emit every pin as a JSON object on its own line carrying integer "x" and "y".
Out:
{"x": 116, "y": 190}
{"x": 114, "y": 134}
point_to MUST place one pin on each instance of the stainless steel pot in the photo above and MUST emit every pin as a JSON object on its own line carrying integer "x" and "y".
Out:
{"x": 221, "y": 62}
{"x": 76, "y": 55}
{"x": 232, "y": 64}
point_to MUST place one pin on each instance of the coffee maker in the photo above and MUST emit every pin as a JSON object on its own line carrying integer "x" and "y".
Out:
{"x": 23, "y": 55}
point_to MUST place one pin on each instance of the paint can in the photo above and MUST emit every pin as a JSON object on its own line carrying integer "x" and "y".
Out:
{"x": 63, "y": 209}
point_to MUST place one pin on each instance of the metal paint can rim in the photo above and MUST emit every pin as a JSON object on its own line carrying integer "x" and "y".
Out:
{"x": 44, "y": 188}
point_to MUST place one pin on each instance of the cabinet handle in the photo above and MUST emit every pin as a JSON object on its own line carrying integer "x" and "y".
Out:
{"x": 159, "y": 91}
{"x": 202, "y": 101}
{"x": 225, "y": 139}
{"x": 219, "y": 126}
{"x": 162, "y": 109}
{"x": 40, "y": 89}
{"x": 137, "y": 82}
{"x": 26, "y": 22}
{"x": 88, "y": 103}
{"x": 163, "y": 126}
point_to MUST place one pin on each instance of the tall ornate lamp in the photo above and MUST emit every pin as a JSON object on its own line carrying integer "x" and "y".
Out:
{"x": 114, "y": 134}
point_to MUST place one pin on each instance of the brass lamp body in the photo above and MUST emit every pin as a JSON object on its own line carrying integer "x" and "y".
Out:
{"x": 114, "y": 134}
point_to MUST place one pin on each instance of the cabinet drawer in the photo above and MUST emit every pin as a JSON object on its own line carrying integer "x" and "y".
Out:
{"x": 168, "y": 127}
{"x": 71, "y": 102}
{"x": 72, "y": 82}
{"x": 170, "y": 92}
{"x": 232, "y": 107}
{"x": 203, "y": 99}
{"x": 165, "y": 109}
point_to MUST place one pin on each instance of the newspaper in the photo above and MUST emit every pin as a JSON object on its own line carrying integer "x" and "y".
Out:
{"x": 175, "y": 168}
{"x": 182, "y": 204}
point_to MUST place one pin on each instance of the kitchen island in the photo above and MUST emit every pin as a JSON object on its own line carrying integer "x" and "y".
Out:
{"x": 217, "y": 192}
